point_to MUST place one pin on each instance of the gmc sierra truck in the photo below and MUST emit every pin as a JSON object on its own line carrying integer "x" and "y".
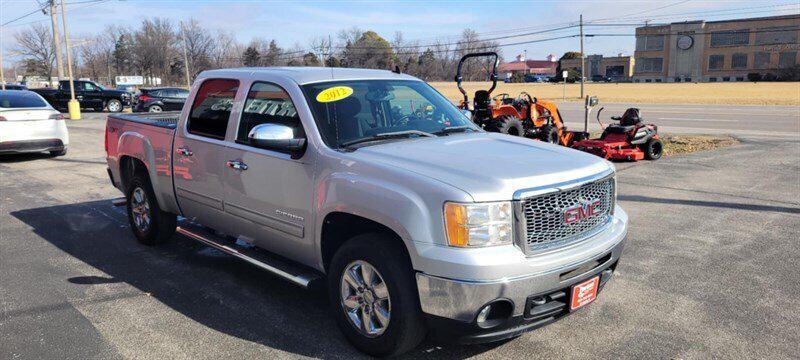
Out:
{"x": 89, "y": 94}
{"x": 374, "y": 185}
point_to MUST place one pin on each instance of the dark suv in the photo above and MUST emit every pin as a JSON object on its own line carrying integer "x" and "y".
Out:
{"x": 161, "y": 99}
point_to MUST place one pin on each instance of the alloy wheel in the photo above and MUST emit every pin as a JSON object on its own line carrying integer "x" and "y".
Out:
{"x": 365, "y": 299}
{"x": 140, "y": 208}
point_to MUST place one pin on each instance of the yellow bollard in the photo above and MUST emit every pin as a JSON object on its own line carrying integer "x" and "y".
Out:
{"x": 74, "y": 109}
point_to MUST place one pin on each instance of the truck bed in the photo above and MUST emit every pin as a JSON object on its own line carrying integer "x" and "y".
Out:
{"x": 167, "y": 119}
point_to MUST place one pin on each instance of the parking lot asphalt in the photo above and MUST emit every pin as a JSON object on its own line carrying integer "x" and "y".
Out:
{"x": 709, "y": 271}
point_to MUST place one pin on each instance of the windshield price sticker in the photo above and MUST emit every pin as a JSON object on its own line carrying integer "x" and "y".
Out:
{"x": 335, "y": 93}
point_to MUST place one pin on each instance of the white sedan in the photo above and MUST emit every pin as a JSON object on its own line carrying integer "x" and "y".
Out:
{"x": 29, "y": 124}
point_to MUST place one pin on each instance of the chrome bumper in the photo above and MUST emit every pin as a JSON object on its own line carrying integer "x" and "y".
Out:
{"x": 462, "y": 299}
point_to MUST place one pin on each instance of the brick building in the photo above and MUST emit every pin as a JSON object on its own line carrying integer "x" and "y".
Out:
{"x": 545, "y": 68}
{"x": 716, "y": 50}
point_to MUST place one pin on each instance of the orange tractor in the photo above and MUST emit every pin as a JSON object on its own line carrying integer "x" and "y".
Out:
{"x": 523, "y": 115}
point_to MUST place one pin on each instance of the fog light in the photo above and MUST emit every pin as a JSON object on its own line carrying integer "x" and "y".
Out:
{"x": 494, "y": 314}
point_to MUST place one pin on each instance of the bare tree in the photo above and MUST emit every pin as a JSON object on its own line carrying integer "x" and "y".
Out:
{"x": 154, "y": 49}
{"x": 199, "y": 46}
{"x": 36, "y": 45}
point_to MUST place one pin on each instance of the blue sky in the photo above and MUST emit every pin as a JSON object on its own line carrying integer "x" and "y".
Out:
{"x": 296, "y": 22}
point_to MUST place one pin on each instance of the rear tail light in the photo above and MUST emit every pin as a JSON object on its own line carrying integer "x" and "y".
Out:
{"x": 2, "y": 118}
{"x": 144, "y": 97}
{"x": 56, "y": 117}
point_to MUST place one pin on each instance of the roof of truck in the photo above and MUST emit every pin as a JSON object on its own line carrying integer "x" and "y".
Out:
{"x": 306, "y": 75}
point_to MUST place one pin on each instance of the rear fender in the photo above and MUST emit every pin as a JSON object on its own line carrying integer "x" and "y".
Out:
{"x": 157, "y": 163}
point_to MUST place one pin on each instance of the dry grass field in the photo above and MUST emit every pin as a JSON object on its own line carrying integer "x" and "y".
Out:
{"x": 743, "y": 93}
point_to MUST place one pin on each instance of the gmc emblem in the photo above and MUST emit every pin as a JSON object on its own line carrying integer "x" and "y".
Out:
{"x": 581, "y": 211}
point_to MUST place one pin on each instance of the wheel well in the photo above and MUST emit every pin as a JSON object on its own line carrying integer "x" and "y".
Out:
{"x": 339, "y": 227}
{"x": 128, "y": 166}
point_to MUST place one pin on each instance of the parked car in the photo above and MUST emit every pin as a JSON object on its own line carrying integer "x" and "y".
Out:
{"x": 16, "y": 87}
{"x": 29, "y": 124}
{"x": 373, "y": 184}
{"x": 128, "y": 88}
{"x": 601, "y": 78}
{"x": 88, "y": 93}
{"x": 161, "y": 99}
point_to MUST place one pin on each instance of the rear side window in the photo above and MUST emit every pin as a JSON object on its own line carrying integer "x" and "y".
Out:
{"x": 268, "y": 104}
{"x": 181, "y": 93}
{"x": 212, "y": 108}
{"x": 13, "y": 99}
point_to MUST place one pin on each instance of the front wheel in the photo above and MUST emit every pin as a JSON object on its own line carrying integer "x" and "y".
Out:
{"x": 154, "y": 109}
{"x": 510, "y": 125}
{"x": 114, "y": 105}
{"x": 653, "y": 149}
{"x": 374, "y": 296}
{"x": 150, "y": 224}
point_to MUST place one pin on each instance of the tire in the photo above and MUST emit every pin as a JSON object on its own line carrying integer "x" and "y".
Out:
{"x": 61, "y": 152}
{"x": 141, "y": 198}
{"x": 154, "y": 109}
{"x": 114, "y": 105}
{"x": 549, "y": 134}
{"x": 653, "y": 149}
{"x": 405, "y": 327}
{"x": 510, "y": 125}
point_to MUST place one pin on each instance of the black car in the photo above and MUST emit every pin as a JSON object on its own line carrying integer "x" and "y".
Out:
{"x": 88, "y": 93}
{"x": 16, "y": 87}
{"x": 161, "y": 99}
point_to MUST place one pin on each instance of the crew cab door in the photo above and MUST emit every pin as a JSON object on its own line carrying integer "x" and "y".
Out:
{"x": 268, "y": 193}
{"x": 199, "y": 152}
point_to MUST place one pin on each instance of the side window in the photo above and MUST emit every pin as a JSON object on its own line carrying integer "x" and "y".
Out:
{"x": 88, "y": 86}
{"x": 267, "y": 104}
{"x": 212, "y": 108}
{"x": 181, "y": 94}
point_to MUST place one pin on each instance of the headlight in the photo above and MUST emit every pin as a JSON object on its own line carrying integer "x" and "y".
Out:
{"x": 479, "y": 224}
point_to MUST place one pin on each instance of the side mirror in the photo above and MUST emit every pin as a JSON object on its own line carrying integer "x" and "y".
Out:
{"x": 276, "y": 137}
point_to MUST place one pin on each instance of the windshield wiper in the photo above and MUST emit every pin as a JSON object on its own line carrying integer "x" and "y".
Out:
{"x": 454, "y": 129}
{"x": 387, "y": 135}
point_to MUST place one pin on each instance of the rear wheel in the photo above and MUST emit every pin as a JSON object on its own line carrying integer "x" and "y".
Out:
{"x": 374, "y": 296}
{"x": 653, "y": 149}
{"x": 114, "y": 105}
{"x": 154, "y": 108}
{"x": 510, "y": 125}
{"x": 549, "y": 134}
{"x": 149, "y": 223}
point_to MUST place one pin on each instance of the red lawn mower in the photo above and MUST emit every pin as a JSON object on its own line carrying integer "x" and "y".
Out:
{"x": 630, "y": 140}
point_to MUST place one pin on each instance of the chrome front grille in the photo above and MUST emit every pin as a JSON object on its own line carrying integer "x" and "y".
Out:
{"x": 543, "y": 216}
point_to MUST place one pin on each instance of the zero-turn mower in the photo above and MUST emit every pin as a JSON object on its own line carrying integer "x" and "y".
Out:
{"x": 523, "y": 115}
{"x": 629, "y": 140}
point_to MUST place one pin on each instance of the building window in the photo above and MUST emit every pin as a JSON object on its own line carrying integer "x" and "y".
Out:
{"x": 777, "y": 35}
{"x": 614, "y": 71}
{"x": 650, "y": 43}
{"x": 677, "y": 79}
{"x": 650, "y": 64}
{"x": 739, "y": 61}
{"x": 761, "y": 60}
{"x": 730, "y": 38}
{"x": 712, "y": 79}
{"x": 740, "y": 78}
{"x": 716, "y": 62}
{"x": 687, "y": 79}
{"x": 647, "y": 80}
{"x": 787, "y": 59}
{"x": 658, "y": 80}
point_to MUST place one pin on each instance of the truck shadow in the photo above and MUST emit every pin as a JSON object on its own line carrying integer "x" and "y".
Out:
{"x": 205, "y": 285}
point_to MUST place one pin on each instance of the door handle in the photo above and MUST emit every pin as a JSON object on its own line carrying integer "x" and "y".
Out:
{"x": 236, "y": 164}
{"x": 184, "y": 151}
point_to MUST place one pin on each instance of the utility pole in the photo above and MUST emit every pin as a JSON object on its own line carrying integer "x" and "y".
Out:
{"x": 56, "y": 39}
{"x": 2, "y": 64}
{"x": 74, "y": 106}
{"x": 185, "y": 58}
{"x": 583, "y": 65}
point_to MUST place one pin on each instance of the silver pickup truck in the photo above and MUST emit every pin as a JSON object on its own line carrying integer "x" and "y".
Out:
{"x": 372, "y": 184}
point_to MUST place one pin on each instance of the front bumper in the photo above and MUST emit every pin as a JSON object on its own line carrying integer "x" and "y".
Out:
{"x": 460, "y": 299}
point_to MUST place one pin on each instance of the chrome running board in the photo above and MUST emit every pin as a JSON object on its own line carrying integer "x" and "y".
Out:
{"x": 285, "y": 269}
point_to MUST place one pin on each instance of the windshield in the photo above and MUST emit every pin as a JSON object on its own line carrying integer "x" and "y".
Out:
{"x": 14, "y": 99}
{"x": 347, "y": 111}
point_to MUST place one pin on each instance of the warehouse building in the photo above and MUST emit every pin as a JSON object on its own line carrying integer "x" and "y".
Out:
{"x": 618, "y": 68}
{"x": 716, "y": 50}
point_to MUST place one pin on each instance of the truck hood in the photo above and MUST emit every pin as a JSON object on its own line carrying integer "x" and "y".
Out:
{"x": 488, "y": 166}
